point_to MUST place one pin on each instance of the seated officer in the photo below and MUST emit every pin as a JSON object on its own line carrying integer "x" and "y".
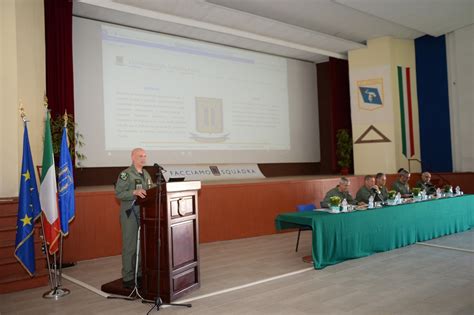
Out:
{"x": 369, "y": 189}
{"x": 401, "y": 185}
{"x": 425, "y": 183}
{"x": 380, "y": 181}
{"x": 341, "y": 190}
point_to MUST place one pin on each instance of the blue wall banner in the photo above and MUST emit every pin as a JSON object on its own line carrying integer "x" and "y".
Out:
{"x": 433, "y": 104}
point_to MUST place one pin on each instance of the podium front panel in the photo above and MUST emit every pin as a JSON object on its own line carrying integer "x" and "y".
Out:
{"x": 179, "y": 251}
{"x": 182, "y": 244}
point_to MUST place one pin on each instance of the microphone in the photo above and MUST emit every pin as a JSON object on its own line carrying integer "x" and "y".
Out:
{"x": 159, "y": 168}
{"x": 159, "y": 174}
{"x": 378, "y": 193}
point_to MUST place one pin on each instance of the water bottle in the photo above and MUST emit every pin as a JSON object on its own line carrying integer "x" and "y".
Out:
{"x": 398, "y": 198}
{"x": 423, "y": 194}
{"x": 371, "y": 202}
{"x": 458, "y": 191}
{"x": 344, "y": 205}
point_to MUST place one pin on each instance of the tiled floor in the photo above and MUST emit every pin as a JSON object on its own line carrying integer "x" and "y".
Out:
{"x": 410, "y": 280}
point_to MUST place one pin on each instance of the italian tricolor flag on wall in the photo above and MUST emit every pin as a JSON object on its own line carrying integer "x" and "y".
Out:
{"x": 48, "y": 192}
{"x": 406, "y": 111}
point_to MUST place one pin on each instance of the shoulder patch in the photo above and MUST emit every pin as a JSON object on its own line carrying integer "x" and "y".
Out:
{"x": 123, "y": 176}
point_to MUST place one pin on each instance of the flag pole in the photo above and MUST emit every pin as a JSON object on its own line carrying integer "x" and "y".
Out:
{"x": 60, "y": 276}
{"x": 46, "y": 251}
{"x": 45, "y": 244}
{"x": 55, "y": 292}
{"x": 60, "y": 260}
{"x": 55, "y": 273}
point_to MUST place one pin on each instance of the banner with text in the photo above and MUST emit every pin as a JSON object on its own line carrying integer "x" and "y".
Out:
{"x": 212, "y": 172}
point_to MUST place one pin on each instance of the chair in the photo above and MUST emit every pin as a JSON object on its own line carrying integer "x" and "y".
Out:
{"x": 303, "y": 208}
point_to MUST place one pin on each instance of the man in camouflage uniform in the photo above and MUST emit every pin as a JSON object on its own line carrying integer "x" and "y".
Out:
{"x": 380, "y": 181}
{"x": 369, "y": 189}
{"x": 131, "y": 183}
{"x": 401, "y": 185}
{"x": 425, "y": 183}
{"x": 341, "y": 190}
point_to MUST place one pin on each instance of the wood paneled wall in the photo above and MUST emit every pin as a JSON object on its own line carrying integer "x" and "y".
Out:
{"x": 95, "y": 230}
{"x": 13, "y": 277}
{"x": 226, "y": 211}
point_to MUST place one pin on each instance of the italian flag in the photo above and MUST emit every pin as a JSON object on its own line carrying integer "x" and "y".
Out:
{"x": 406, "y": 111}
{"x": 48, "y": 192}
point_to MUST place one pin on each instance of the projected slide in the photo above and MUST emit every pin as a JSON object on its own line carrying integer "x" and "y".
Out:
{"x": 168, "y": 93}
{"x": 187, "y": 101}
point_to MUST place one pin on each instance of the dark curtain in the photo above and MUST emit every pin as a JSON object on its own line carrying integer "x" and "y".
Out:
{"x": 334, "y": 104}
{"x": 58, "y": 41}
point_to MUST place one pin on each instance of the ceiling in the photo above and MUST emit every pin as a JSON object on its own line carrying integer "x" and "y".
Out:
{"x": 310, "y": 30}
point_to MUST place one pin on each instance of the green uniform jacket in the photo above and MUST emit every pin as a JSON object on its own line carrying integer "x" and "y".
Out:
{"x": 128, "y": 181}
{"x": 335, "y": 192}
{"x": 403, "y": 189}
{"x": 363, "y": 195}
{"x": 383, "y": 192}
{"x": 428, "y": 187}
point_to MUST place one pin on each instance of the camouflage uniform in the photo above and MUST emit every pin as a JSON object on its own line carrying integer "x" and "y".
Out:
{"x": 364, "y": 194}
{"x": 403, "y": 189}
{"x": 383, "y": 192}
{"x": 335, "y": 192}
{"x": 428, "y": 187}
{"x": 128, "y": 181}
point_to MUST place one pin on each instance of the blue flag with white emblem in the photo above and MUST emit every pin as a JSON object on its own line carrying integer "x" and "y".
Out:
{"x": 66, "y": 198}
{"x": 29, "y": 209}
{"x": 370, "y": 95}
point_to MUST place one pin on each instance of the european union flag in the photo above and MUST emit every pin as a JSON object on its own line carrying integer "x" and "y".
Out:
{"x": 29, "y": 209}
{"x": 370, "y": 95}
{"x": 65, "y": 186}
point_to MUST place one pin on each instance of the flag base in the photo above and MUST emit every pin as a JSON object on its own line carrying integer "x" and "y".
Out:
{"x": 56, "y": 293}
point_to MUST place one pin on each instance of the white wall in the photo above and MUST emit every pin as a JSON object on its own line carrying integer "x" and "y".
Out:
{"x": 22, "y": 71}
{"x": 460, "y": 55}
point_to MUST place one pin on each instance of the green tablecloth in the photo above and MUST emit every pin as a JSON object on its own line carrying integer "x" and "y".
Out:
{"x": 339, "y": 237}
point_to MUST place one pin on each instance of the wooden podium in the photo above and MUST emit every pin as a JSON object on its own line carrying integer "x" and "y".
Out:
{"x": 179, "y": 255}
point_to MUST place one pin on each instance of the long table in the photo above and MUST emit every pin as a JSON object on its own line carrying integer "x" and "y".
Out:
{"x": 339, "y": 237}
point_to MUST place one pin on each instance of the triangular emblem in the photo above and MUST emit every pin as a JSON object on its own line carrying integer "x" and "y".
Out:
{"x": 382, "y": 138}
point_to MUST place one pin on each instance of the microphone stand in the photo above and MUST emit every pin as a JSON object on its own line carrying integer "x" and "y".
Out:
{"x": 379, "y": 194}
{"x": 158, "y": 302}
{"x": 135, "y": 293}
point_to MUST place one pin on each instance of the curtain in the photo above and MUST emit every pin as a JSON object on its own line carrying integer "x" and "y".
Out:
{"x": 59, "y": 67}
